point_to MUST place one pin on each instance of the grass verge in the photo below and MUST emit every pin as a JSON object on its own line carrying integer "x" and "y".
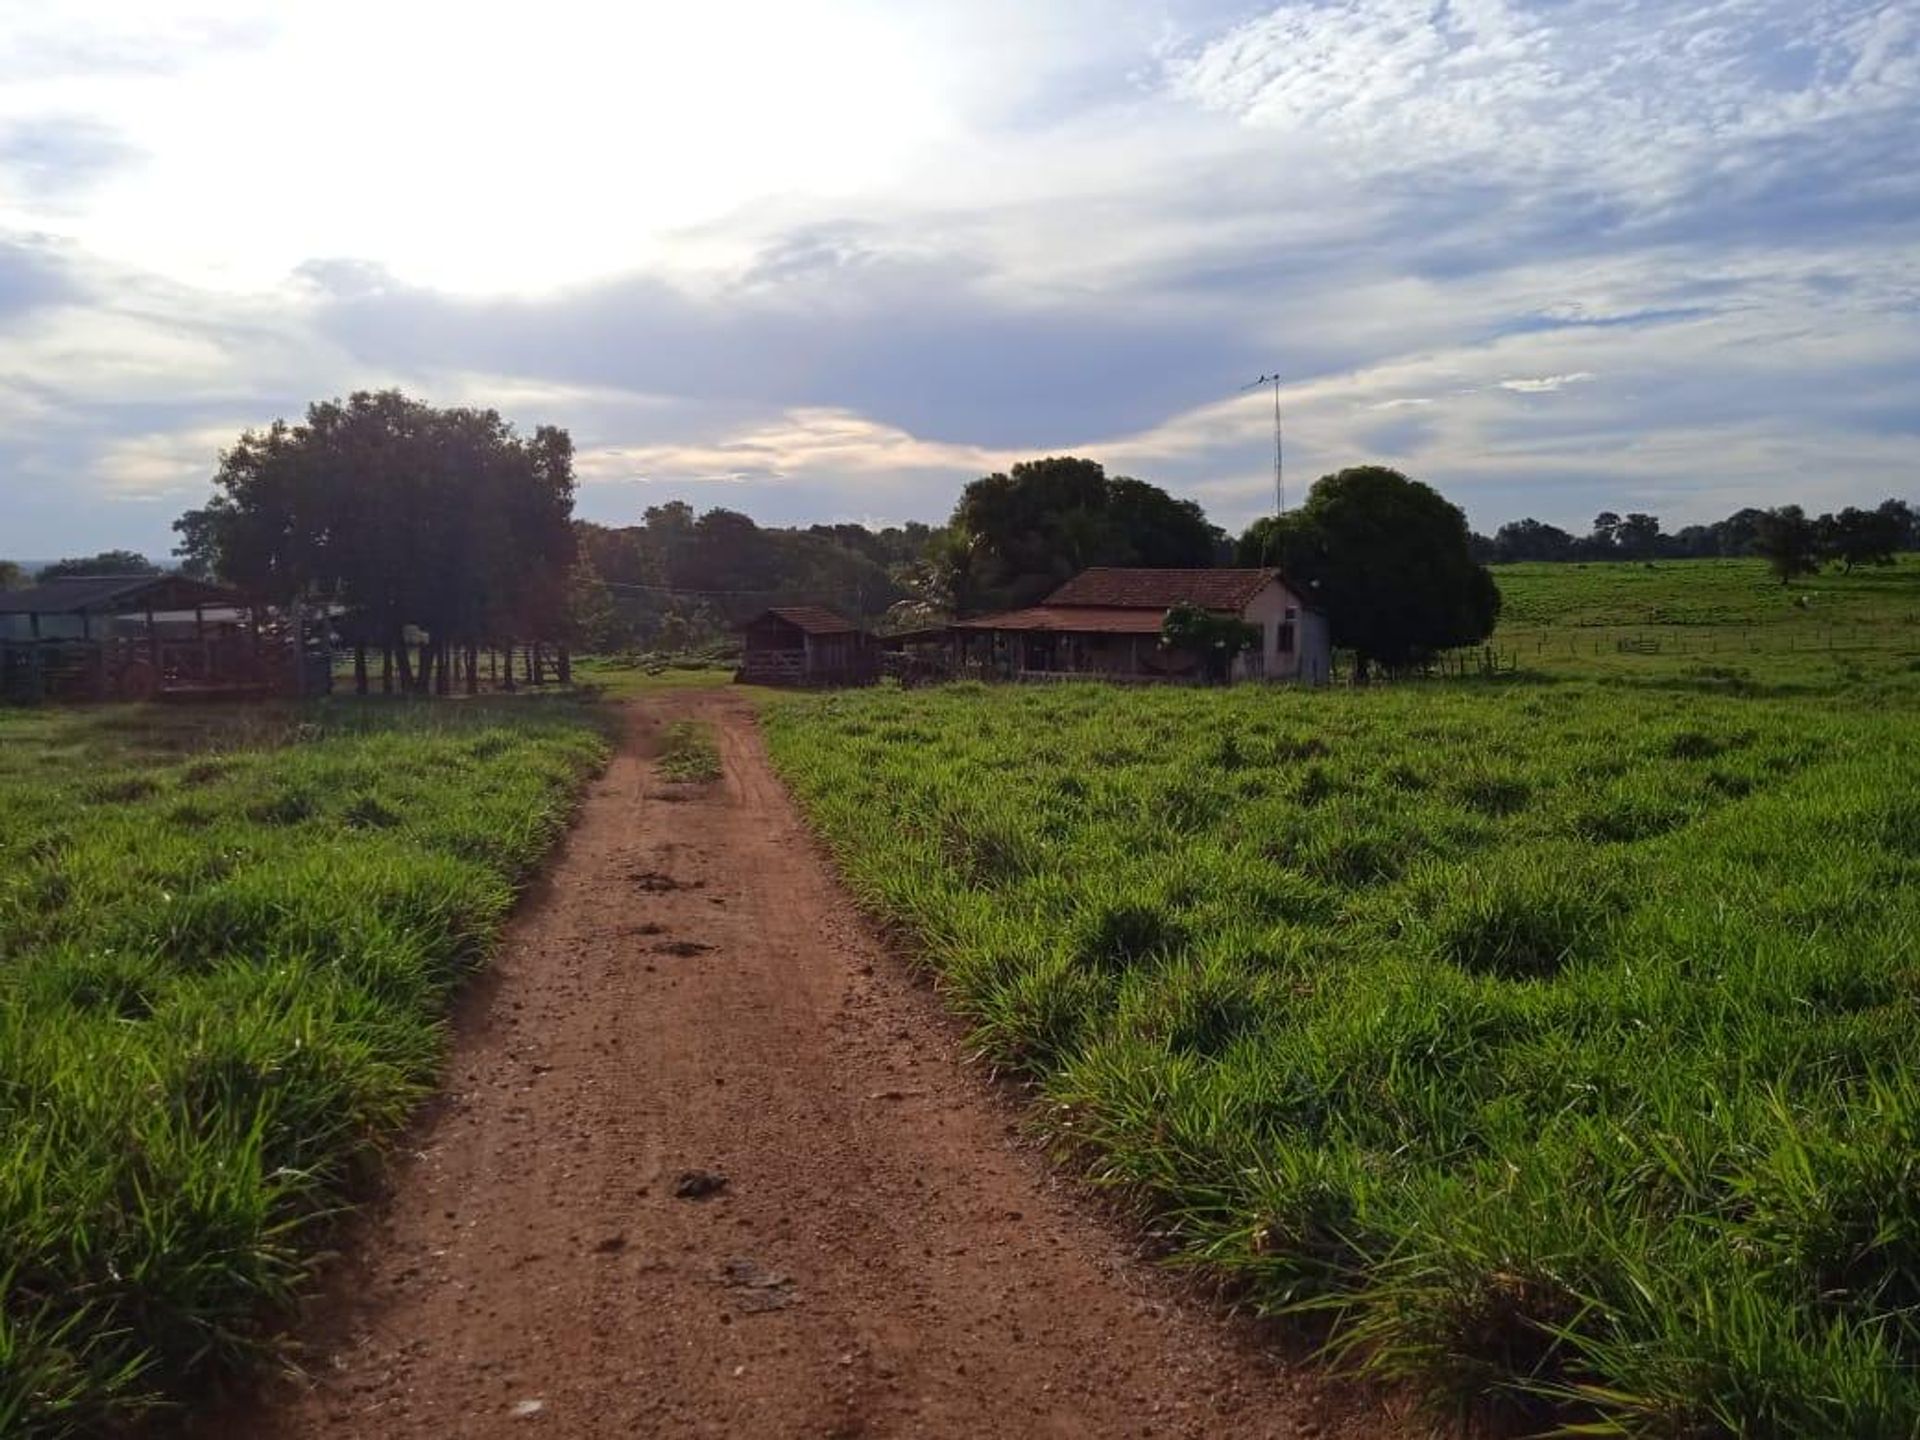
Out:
{"x": 227, "y": 942}
{"x": 1549, "y": 1043}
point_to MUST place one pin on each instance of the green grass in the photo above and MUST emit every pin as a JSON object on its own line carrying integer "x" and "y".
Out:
{"x": 688, "y": 755}
{"x": 1726, "y": 618}
{"x": 1694, "y": 593}
{"x": 227, "y": 942}
{"x": 621, "y": 679}
{"x": 1549, "y": 1042}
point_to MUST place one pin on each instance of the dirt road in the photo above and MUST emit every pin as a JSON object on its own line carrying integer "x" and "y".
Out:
{"x": 691, "y": 994}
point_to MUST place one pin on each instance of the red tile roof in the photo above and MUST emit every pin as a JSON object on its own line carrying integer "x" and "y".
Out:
{"x": 1159, "y": 590}
{"x": 1076, "y": 619}
{"x": 813, "y": 619}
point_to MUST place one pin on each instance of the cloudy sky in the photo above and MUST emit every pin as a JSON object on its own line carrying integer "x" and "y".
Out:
{"x": 828, "y": 259}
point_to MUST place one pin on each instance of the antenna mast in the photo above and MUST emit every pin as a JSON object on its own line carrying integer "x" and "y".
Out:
{"x": 1279, "y": 444}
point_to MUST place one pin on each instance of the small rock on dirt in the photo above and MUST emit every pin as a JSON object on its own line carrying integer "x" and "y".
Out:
{"x": 527, "y": 1409}
{"x": 698, "y": 1184}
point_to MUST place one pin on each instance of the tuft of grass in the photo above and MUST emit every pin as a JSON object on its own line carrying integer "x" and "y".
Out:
{"x": 227, "y": 941}
{"x": 688, "y": 755}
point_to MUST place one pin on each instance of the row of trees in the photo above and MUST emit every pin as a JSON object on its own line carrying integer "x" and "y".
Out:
{"x": 1848, "y": 537}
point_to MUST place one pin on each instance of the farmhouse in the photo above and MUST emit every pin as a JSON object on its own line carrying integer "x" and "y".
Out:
{"x": 1106, "y": 622}
{"x": 806, "y": 645}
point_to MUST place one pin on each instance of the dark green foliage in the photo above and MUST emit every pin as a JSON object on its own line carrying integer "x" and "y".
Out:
{"x": 1866, "y": 537}
{"x": 1788, "y": 541}
{"x": 405, "y": 514}
{"x": 109, "y": 562}
{"x": 1018, "y": 535}
{"x": 1388, "y": 559}
{"x": 1218, "y": 640}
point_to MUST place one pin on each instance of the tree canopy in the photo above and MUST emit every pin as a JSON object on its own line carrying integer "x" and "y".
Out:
{"x": 679, "y": 577}
{"x": 107, "y": 562}
{"x": 1387, "y": 558}
{"x": 1024, "y": 532}
{"x": 12, "y": 576}
{"x": 1866, "y": 537}
{"x": 405, "y": 514}
{"x": 1788, "y": 541}
{"x": 1851, "y": 537}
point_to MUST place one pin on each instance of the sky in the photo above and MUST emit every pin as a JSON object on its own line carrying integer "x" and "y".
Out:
{"x": 824, "y": 260}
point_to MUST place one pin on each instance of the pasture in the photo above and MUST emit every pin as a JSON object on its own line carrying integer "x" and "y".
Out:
{"x": 1546, "y": 1040}
{"x": 1632, "y": 620}
{"x": 227, "y": 943}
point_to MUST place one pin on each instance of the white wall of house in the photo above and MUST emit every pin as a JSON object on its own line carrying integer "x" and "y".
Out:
{"x": 1311, "y": 657}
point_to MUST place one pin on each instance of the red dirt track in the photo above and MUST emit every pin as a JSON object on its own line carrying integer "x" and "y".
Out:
{"x": 690, "y": 990}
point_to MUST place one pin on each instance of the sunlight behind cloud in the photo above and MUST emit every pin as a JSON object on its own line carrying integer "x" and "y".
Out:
{"x": 495, "y": 147}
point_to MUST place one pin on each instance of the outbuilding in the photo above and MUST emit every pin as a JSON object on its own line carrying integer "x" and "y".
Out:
{"x": 806, "y": 645}
{"x": 135, "y": 637}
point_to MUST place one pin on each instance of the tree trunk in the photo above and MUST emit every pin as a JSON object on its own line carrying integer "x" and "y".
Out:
{"x": 506, "y": 671}
{"x": 360, "y": 669}
{"x": 404, "y": 664}
{"x": 386, "y": 670}
{"x": 473, "y": 669}
{"x": 566, "y": 666}
{"x": 424, "y": 676}
{"x": 442, "y": 681}
{"x": 533, "y": 663}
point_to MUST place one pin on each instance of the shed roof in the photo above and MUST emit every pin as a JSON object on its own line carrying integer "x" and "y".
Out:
{"x": 117, "y": 594}
{"x": 1128, "y": 589}
{"x": 813, "y": 619}
{"x": 1073, "y": 619}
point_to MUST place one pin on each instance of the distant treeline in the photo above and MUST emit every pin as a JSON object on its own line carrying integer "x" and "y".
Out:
{"x": 1847, "y": 537}
{"x": 447, "y": 521}
{"x": 680, "y": 579}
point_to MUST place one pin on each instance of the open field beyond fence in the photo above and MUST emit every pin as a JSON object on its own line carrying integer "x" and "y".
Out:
{"x": 1543, "y": 1039}
{"x": 227, "y": 939}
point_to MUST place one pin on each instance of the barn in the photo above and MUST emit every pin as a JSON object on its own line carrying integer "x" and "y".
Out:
{"x": 1105, "y": 622}
{"x": 134, "y": 637}
{"x": 806, "y": 645}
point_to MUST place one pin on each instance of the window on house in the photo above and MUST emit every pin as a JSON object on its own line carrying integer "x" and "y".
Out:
{"x": 1286, "y": 637}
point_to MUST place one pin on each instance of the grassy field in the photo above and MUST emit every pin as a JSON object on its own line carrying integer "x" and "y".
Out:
{"x": 1549, "y": 1040}
{"x": 227, "y": 940}
{"x": 1611, "y": 619}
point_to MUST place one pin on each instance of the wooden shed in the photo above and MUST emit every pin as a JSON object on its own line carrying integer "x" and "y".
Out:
{"x": 807, "y": 645}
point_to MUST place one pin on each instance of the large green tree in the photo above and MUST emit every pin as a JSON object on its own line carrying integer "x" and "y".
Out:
{"x": 1788, "y": 541}
{"x": 1018, "y": 534}
{"x": 12, "y": 576}
{"x": 1387, "y": 559}
{"x": 1865, "y": 537}
{"x": 405, "y": 514}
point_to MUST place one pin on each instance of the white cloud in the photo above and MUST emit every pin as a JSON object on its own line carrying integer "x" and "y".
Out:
{"x": 1546, "y": 384}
